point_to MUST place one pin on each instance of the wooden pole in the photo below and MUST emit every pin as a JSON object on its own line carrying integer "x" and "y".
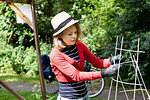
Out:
{"x": 11, "y": 90}
{"x": 20, "y": 14}
{"x": 40, "y": 68}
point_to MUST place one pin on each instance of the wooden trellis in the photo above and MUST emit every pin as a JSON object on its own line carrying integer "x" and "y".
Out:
{"x": 33, "y": 25}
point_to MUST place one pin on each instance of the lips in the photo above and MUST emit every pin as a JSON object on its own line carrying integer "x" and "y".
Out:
{"x": 72, "y": 40}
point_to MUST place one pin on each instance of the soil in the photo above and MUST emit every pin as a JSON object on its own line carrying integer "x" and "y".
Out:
{"x": 104, "y": 94}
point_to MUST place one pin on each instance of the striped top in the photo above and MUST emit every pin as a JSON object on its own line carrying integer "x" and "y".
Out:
{"x": 72, "y": 52}
{"x": 72, "y": 90}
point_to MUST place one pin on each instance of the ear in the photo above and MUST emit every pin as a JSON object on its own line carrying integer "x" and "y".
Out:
{"x": 60, "y": 35}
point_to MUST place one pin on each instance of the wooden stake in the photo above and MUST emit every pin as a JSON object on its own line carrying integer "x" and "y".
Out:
{"x": 11, "y": 90}
{"x": 34, "y": 27}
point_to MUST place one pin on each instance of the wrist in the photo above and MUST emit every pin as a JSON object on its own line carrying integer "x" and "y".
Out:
{"x": 103, "y": 74}
{"x": 111, "y": 60}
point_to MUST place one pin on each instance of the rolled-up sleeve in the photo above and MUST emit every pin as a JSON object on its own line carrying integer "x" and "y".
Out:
{"x": 68, "y": 70}
{"x": 99, "y": 63}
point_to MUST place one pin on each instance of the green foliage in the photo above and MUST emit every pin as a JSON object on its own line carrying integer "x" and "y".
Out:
{"x": 133, "y": 24}
{"x": 13, "y": 33}
{"x": 19, "y": 59}
{"x": 46, "y": 9}
{"x": 95, "y": 41}
{"x": 97, "y": 17}
{"x": 101, "y": 22}
{"x": 4, "y": 61}
{"x": 17, "y": 51}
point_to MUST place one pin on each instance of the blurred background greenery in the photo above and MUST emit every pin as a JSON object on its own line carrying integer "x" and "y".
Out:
{"x": 101, "y": 22}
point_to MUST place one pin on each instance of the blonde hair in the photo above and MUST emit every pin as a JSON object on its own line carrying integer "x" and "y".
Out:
{"x": 59, "y": 43}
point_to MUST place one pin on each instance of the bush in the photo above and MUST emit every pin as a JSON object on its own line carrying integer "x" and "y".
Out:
{"x": 18, "y": 53}
{"x": 19, "y": 59}
{"x": 103, "y": 21}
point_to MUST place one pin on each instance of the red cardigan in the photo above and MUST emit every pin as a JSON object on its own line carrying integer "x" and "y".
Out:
{"x": 68, "y": 70}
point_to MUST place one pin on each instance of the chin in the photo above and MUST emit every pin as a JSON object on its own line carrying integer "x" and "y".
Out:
{"x": 71, "y": 44}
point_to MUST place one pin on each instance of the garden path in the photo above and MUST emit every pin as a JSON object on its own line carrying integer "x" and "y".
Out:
{"x": 104, "y": 94}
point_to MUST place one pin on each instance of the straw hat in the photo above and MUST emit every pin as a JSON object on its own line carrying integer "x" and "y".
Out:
{"x": 61, "y": 21}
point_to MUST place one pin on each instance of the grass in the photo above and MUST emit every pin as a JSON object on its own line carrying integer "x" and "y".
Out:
{"x": 19, "y": 78}
{"x": 5, "y": 95}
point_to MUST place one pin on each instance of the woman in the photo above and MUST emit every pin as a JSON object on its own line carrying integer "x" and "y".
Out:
{"x": 68, "y": 56}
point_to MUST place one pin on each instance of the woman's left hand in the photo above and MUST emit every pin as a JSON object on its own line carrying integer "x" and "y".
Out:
{"x": 116, "y": 59}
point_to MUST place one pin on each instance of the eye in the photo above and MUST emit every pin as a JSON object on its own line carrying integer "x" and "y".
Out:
{"x": 76, "y": 32}
{"x": 70, "y": 34}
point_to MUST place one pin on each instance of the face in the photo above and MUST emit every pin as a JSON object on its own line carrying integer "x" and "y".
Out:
{"x": 69, "y": 35}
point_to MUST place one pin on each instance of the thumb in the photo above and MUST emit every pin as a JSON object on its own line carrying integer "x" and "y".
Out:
{"x": 115, "y": 66}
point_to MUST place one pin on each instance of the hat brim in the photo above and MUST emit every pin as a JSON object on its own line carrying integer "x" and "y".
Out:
{"x": 66, "y": 26}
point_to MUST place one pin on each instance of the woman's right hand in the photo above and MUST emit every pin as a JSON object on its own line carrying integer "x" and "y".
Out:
{"x": 110, "y": 71}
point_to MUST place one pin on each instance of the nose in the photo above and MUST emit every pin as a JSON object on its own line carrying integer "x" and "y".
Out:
{"x": 74, "y": 35}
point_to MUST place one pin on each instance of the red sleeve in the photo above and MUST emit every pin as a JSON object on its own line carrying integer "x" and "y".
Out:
{"x": 99, "y": 63}
{"x": 70, "y": 71}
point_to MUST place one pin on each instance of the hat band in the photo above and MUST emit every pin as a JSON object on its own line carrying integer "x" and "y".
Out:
{"x": 63, "y": 24}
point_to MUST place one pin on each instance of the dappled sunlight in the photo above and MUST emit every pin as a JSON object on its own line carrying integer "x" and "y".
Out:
{"x": 19, "y": 78}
